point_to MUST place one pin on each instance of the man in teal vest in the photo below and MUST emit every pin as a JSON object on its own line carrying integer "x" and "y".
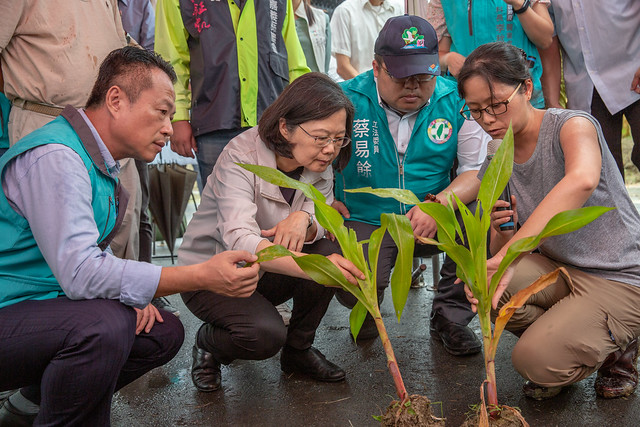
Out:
{"x": 407, "y": 133}
{"x": 75, "y": 321}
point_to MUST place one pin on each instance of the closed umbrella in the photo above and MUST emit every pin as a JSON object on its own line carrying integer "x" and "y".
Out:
{"x": 170, "y": 186}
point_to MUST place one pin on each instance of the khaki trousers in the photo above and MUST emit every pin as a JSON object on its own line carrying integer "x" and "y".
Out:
{"x": 126, "y": 242}
{"x": 568, "y": 329}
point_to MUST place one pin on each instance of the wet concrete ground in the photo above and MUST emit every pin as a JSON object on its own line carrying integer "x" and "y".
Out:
{"x": 257, "y": 393}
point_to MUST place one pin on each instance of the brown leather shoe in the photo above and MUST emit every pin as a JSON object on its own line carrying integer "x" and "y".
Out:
{"x": 618, "y": 375}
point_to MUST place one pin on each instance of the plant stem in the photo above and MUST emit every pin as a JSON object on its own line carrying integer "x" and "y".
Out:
{"x": 392, "y": 364}
{"x": 489, "y": 361}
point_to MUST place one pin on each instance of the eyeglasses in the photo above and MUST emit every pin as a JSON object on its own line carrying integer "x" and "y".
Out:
{"x": 493, "y": 109}
{"x": 323, "y": 141}
{"x": 420, "y": 78}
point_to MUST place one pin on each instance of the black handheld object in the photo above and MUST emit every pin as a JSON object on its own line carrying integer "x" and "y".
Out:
{"x": 492, "y": 147}
{"x": 506, "y": 196}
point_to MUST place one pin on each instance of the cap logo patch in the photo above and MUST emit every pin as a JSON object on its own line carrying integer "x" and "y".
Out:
{"x": 412, "y": 40}
{"x": 433, "y": 68}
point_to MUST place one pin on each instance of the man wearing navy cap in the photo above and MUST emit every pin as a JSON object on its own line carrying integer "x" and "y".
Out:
{"x": 407, "y": 133}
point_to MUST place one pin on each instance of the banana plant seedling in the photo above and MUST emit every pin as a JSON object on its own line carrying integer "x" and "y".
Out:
{"x": 323, "y": 271}
{"x": 471, "y": 259}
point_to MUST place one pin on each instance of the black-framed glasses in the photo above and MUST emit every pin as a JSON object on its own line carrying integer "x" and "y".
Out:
{"x": 323, "y": 141}
{"x": 493, "y": 109}
{"x": 420, "y": 78}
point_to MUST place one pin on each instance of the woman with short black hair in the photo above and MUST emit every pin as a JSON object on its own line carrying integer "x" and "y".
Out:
{"x": 302, "y": 133}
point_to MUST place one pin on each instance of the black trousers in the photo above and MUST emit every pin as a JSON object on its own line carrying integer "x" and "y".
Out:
{"x": 612, "y": 128}
{"x": 251, "y": 328}
{"x": 79, "y": 353}
{"x": 449, "y": 301}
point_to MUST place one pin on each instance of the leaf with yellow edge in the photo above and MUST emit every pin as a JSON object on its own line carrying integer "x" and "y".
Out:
{"x": 519, "y": 299}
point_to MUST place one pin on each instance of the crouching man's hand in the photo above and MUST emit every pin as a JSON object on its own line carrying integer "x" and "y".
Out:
{"x": 225, "y": 274}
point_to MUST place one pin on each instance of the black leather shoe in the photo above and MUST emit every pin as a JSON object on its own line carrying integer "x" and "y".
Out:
{"x": 12, "y": 417}
{"x": 310, "y": 362}
{"x": 457, "y": 339}
{"x": 205, "y": 371}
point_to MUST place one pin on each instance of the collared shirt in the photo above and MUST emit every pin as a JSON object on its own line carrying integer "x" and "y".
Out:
{"x": 601, "y": 47}
{"x": 51, "y": 50}
{"x": 355, "y": 25}
{"x": 139, "y": 20}
{"x": 56, "y": 200}
{"x": 472, "y": 140}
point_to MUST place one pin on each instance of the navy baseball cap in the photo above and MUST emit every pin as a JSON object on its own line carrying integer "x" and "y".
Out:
{"x": 409, "y": 45}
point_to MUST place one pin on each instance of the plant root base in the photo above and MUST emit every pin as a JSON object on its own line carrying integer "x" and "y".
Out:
{"x": 509, "y": 417}
{"x": 418, "y": 413}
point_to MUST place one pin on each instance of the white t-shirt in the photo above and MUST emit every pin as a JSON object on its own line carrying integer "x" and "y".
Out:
{"x": 355, "y": 25}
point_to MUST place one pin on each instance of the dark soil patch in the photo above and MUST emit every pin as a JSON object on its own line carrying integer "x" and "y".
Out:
{"x": 415, "y": 412}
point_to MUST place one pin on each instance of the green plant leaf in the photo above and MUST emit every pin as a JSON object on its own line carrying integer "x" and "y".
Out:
{"x": 356, "y": 318}
{"x": 562, "y": 223}
{"x": 399, "y": 227}
{"x": 270, "y": 253}
{"x": 404, "y": 196}
{"x": 445, "y": 222}
{"x": 276, "y": 177}
{"x": 498, "y": 172}
{"x": 375, "y": 241}
{"x": 323, "y": 271}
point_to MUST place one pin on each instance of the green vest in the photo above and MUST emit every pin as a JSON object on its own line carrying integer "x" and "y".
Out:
{"x": 426, "y": 165}
{"x": 473, "y": 23}
{"x": 229, "y": 65}
{"x": 5, "y": 106}
{"x": 24, "y": 273}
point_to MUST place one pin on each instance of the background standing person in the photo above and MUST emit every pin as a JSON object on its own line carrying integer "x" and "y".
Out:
{"x": 314, "y": 32}
{"x": 138, "y": 20}
{"x": 355, "y": 25}
{"x": 301, "y": 134}
{"x": 42, "y": 75}
{"x": 601, "y": 65}
{"x": 232, "y": 60}
{"x": 463, "y": 26}
{"x": 588, "y": 321}
{"x": 408, "y": 134}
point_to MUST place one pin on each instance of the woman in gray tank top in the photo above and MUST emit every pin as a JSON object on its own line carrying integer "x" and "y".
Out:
{"x": 591, "y": 321}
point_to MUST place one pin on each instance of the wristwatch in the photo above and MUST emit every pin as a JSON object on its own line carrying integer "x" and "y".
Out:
{"x": 524, "y": 7}
{"x": 311, "y": 219}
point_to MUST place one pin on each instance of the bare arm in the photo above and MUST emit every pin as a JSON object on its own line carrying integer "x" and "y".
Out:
{"x": 345, "y": 69}
{"x": 449, "y": 61}
{"x": 536, "y": 22}
{"x": 551, "y": 74}
{"x": 583, "y": 164}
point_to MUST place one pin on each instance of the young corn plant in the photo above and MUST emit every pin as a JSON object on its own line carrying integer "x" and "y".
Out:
{"x": 471, "y": 259}
{"x": 326, "y": 273}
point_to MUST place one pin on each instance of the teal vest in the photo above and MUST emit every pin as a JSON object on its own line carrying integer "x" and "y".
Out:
{"x": 426, "y": 165}
{"x": 24, "y": 273}
{"x": 473, "y": 23}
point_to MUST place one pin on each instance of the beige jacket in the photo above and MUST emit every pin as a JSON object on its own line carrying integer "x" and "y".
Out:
{"x": 236, "y": 205}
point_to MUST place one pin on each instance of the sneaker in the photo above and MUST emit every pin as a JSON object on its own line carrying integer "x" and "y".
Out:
{"x": 538, "y": 392}
{"x": 163, "y": 304}
{"x": 285, "y": 312}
